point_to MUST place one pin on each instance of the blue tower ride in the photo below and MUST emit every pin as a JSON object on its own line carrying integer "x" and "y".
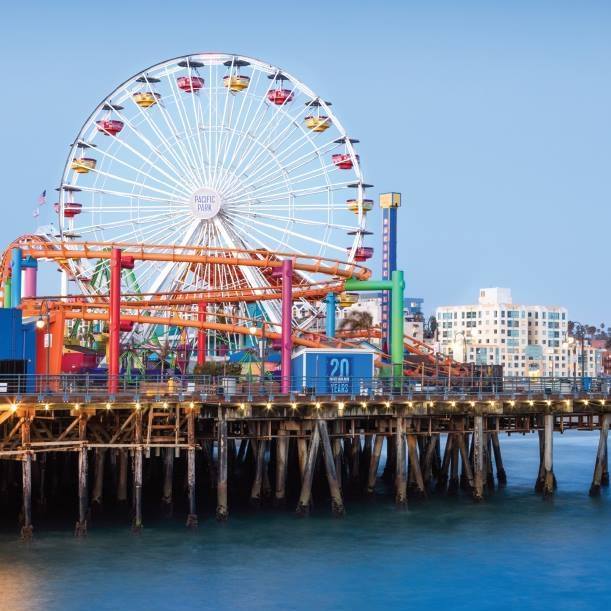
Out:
{"x": 389, "y": 203}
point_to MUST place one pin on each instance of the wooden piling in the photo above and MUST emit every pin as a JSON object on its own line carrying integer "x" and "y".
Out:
{"x": 337, "y": 504}
{"x": 305, "y": 497}
{"x": 80, "y": 530}
{"x": 338, "y": 450}
{"x": 456, "y": 447}
{"x": 501, "y": 476}
{"x": 26, "y": 476}
{"x": 401, "y": 465}
{"x": 255, "y": 492}
{"x": 414, "y": 465}
{"x": 222, "y": 512}
{"x": 442, "y": 478}
{"x": 549, "y": 480}
{"x": 488, "y": 462}
{"x": 168, "y": 481}
{"x": 192, "y": 515}
{"x": 122, "y": 479}
{"x": 302, "y": 452}
{"x": 374, "y": 462}
{"x": 98, "y": 477}
{"x": 601, "y": 454}
{"x": 282, "y": 449}
{"x": 137, "y": 474}
{"x": 478, "y": 458}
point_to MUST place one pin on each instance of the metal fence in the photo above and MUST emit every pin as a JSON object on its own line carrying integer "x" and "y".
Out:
{"x": 95, "y": 387}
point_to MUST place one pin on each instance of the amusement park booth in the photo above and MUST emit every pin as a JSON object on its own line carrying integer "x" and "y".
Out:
{"x": 329, "y": 371}
{"x": 17, "y": 352}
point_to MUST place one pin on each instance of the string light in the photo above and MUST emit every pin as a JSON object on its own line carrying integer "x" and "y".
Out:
{"x": 137, "y": 405}
{"x": 13, "y": 407}
{"x": 269, "y": 405}
{"x": 294, "y": 405}
{"x": 46, "y": 407}
{"x": 108, "y": 406}
{"x": 340, "y": 405}
{"x": 364, "y": 404}
{"x": 317, "y": 404}
{"x": 77, "y": 406}
{"x": 191, "y": 405}
{"x": 165, "y": 405}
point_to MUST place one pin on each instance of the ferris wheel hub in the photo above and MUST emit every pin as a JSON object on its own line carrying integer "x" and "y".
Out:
{"x": 205, "y": 203}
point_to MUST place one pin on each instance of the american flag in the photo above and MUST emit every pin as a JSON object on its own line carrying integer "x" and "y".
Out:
{"x": 42, "y": 198}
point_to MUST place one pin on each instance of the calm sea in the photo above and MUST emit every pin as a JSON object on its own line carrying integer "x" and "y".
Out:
{"x": 513, "y": 551}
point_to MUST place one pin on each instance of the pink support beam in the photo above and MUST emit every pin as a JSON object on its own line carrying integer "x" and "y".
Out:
{"x": 30, "y": 281}
{"x": 114, "y": 324}
{"x": 286, "y": 327}
{"x": 202, "y": 308}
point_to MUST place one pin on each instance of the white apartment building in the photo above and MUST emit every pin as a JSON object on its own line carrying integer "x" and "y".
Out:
{"x": 527, "y": 340}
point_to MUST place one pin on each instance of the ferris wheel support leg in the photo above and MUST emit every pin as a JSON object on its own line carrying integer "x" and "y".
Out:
{"x": 114, "y": 320}
{"x": 201, "y": 333}
{"x": 287, "y": 317}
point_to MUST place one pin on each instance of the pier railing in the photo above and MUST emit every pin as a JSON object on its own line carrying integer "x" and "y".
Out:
{"x": 94, "y": 387}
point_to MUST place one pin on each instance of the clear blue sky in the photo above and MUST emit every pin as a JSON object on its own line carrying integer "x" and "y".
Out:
{"x": 492, "y": 118}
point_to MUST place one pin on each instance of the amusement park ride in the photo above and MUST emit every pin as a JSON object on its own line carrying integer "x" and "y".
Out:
{"x": 201, "y": 200}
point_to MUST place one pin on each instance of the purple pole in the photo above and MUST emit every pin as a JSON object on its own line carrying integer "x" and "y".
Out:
{"x": 30, "y": 282}
{"x": 287, "y": 315}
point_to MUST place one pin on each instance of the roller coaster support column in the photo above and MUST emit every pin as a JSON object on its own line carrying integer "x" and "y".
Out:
{"x": 202, "y": 307}
{"x": 396, "y": 285}
{"x": 331, "y": 300}
{"x": 114, "y": 321}
{"x": 286, "y": 327}
{"x": 16, "y": 261}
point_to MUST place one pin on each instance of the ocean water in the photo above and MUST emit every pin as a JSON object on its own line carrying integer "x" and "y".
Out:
{"x": 513, "y": 551}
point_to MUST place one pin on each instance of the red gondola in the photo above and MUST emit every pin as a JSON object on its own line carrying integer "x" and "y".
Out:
{"x": 280, "y": 96}
{"x": 343, "y": 161}
{"x": 190, "y": 84}
{"x": 109, "y": 127}
{"x": 71, "y": 209}
{"x": 362, "y": 253}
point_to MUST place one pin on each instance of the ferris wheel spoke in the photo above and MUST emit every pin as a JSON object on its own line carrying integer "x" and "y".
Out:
{"x": 128, "y": 195}
{"x": 221, "y": 136}
{"x": 255, "y": 192}
{"x": 296, "y": 234}
{"x": 181, "y": 162}
{"x": 254, "y": 124}
{"x": 296, "y": 220}
{"x": 140, "y": 171}
{"x": 198, "y": 115}
{"x": 291, "y": 120}
{"x": 134, "y": 183}
{"x": 152, "y": 147}
{"x": 264, "y": 176}
{"x": 184, "y": 120}
{"x": 176, "y": 177}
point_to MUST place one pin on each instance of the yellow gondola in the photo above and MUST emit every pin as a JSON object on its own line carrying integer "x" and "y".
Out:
{"x": 83, "y": 165}
{"x": 236, "y": 82}
{"x": 347, "y": 299}
{"x": 354, "y": 205}
{"x": 318, "y": 123}
{"x": 146, "y": 99}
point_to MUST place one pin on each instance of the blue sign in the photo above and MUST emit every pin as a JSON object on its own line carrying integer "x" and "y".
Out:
{"x": 332, "y": 372}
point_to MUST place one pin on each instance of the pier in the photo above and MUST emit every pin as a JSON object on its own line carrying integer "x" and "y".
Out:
{"x": 198, "y": 445}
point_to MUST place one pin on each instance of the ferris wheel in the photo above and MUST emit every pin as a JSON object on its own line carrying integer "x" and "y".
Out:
{"x": 216, "y": 150}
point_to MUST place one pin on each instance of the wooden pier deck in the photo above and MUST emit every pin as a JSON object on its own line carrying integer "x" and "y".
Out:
{"x": 194, "y": 443}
